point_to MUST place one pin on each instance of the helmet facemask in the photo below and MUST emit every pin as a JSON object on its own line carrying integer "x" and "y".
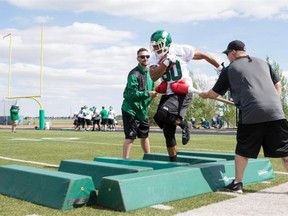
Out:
{"x": 159, "y": 48}
{"x": 160, "y": 42}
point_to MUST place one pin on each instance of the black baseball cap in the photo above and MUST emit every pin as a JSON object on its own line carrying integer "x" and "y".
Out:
{"x": 235, "y": 45}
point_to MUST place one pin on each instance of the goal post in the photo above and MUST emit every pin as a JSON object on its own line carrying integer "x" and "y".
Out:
{"x": 33, "y": 97}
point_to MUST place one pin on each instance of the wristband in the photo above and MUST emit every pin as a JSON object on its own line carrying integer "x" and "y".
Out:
{"x": 166, "y": 62}
{"x": 220, "y": 68}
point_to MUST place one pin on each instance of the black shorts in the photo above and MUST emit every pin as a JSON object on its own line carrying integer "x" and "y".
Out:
{"x": 103, "y": 121}
{"x": 270, "y": 135}
{"x": 110, "y": 121}
{"x": 134, "y": 128}
{"x": 96, "y": 121}
{"x": 176, "y": 104}
{"x": 88, "y": 122}
{"x": 81, "y": 121}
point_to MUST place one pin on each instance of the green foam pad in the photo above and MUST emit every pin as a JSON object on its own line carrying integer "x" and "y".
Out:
{"x": 98, "y": 170}
{"x": 227, "y": 156}
{"x": 138, "y": 190}
{"x": 146, "y": 163}
{"x": 49, "y": 188}
{"x": 181, "y": 158}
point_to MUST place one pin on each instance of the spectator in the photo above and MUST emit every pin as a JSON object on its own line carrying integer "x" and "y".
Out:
{"x": 104, "y": 116}
{"x": 193, "y": 122}
{"x": 219, "y": 121}
{"x": 96, "y": 117}
{"x": 14, "y": 116}
{"x": 111, "y": 119}
{"x": 88, "y": 118}
{"x": 213, "y": 122}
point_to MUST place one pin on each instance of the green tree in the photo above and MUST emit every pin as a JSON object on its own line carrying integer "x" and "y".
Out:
{"x": 199, "y": 107}
{"x": 284, "y": 83}
{"x": 229, "y": 114}
{"x": 153, "y": 108}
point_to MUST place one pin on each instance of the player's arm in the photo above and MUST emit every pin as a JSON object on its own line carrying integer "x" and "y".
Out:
{"x": 156, "y": 71}
{"x": 199, "y": 55}
{"x": 220, "y": 87}
{"x": 276, "y": 80}
{"x": 209, "y": 94}
{"x": 278, "y": 87}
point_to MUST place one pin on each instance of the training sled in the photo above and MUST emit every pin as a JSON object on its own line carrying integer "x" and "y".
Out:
{"x": 121, "y": 192}
{"x": 49, "y": 188}
{"x": 127, "y": 184}
{"x": 98, "y": 170}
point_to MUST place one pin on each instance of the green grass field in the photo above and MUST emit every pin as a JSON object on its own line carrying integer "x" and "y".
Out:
{"x": 53, "y": 146}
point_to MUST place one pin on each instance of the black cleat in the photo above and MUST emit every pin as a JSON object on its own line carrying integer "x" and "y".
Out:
{"x": 232, "y": 187}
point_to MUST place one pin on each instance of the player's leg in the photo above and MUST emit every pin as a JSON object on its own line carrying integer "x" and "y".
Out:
{"x": 130, "y": 132}
{"x": 277, "y": 134}
{"x": 169, "y": 131}
{"x": 13, "y": 125}
{"x": 98, "y": 124}
{"x": 183, "y": 102}
{"x": 249, "y": 142}
{"x": 143, "y": 133}
{"x": 240, "y": 166}
{"x": 145, "y": 144}
{"x": 127, "y": 146}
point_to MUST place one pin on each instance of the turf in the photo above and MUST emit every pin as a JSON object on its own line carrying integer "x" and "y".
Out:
{"x": 56, "y": 145}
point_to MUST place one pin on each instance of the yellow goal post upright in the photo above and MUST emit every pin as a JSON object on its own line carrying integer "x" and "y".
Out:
{"x": 33, "y": 97}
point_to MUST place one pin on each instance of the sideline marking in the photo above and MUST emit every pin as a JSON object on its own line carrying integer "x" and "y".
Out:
{"x": 31, "y": 162}
{"x": 45, "y": 138}
{"x": 60, "y": 138}
{"x": 24, "y": 139}
{"x": 282, "y": 173}
{"x": 162, "y": 207}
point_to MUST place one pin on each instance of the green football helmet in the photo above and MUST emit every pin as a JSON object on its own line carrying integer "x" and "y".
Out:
{"x": 160, "y": 42}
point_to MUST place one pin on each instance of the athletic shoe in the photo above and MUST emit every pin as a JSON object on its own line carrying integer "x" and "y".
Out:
{"x": 232, "y": 187}
{"x": 185, "y": 134}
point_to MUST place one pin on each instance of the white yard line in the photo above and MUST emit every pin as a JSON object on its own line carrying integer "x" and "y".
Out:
{"x": 282, "y": 173}
{"x": 31, "y": 162}
{"x": 162, "y": 207}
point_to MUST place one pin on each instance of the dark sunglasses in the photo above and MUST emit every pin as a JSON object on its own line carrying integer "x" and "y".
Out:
{"x": 143, "y": 56}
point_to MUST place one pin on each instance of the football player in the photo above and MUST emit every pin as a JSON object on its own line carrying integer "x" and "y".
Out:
{"x": 170, "y": 64}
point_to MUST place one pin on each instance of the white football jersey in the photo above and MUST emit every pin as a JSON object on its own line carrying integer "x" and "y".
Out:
{"x": 180, "y": 70}
{"x": 111, "y": 114}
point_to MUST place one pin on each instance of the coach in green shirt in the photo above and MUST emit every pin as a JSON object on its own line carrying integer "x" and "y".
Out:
{"x": 138, "y": 94}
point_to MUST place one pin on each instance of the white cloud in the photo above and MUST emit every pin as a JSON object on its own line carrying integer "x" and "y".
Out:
{"x": 87, "y": 63}
{"x": 170, "y": 11}
{"x": 81, "y": 64}
{"x": 42, "y": 19}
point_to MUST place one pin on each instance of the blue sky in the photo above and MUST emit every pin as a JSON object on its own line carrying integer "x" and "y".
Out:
{"x": 90, "y": 46}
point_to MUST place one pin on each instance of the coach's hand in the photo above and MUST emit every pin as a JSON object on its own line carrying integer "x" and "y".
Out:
{"x": 153, "y": 94}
